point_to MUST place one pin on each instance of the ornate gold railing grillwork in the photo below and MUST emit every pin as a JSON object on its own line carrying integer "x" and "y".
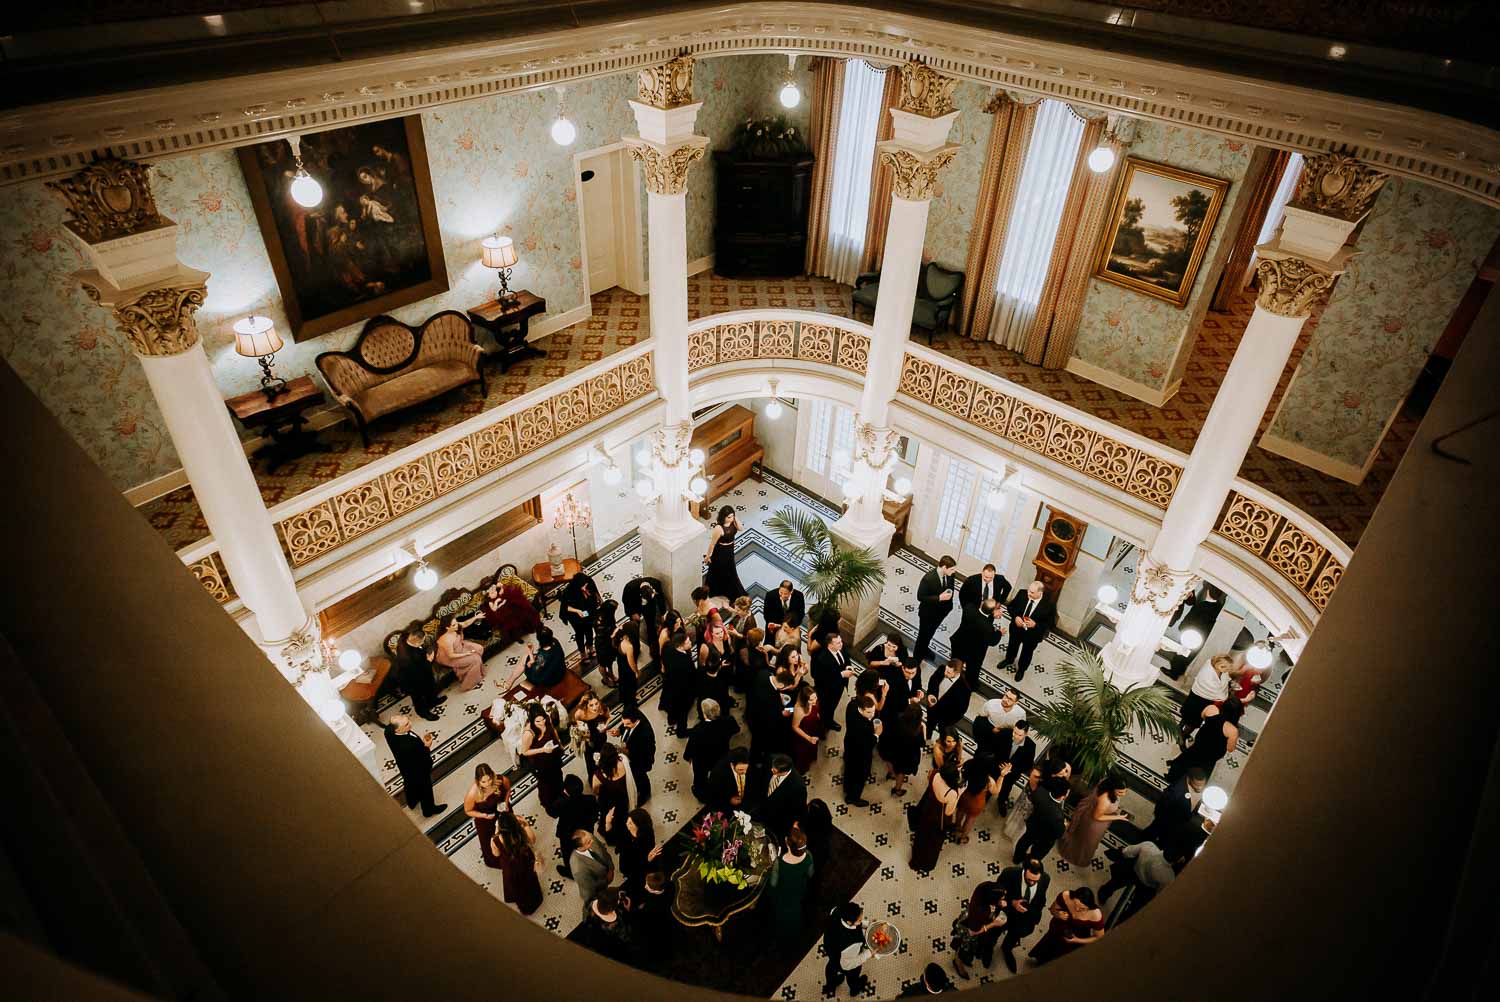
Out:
{"x": 1283, "y": 544}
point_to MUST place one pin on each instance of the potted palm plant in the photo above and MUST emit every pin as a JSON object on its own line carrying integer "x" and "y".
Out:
{"x": 835, "y": 573}
{"x": 1085, "y": 722}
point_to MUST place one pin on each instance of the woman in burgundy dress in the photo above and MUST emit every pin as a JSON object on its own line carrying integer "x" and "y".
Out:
{"x": 514, "y": 845}
{"x": 807, "y": 729}
{"x": 1076, "y": 921}
{"x": 542, "y": 750}
{"x": 612, "y": 793}
{"x": 506, "y": 610}
{"x": 934, "y": 814}
{"x": 488, "y": 796}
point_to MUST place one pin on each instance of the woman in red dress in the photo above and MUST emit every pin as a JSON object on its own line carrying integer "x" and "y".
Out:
{"x": 807, "y": 728}
{"x": 514, "y": 845}
{"x": 506, "y": 610}
{"x": 488, "y": 795}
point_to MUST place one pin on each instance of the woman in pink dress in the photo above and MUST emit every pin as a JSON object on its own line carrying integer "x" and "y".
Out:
{"x": 465, "y": 657}
{"x": 807, "y": 729}
{"x": 1091, "y": 819}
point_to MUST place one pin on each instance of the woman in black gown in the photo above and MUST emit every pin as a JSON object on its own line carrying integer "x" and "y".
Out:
{"x": 578, "y": 607}
{"x": 638, "y": 851}
{"x": 723, "y": 578}
{"x": 612, "y": 794}
{"x": 1216, "y": 734}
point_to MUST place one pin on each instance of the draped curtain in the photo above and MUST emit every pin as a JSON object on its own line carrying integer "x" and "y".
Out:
{"x": 1263, "y": 179}
{"x": 827, "y": 95}
{"x": 881, "y": 178}
{"x": 1003, "y": 159}
{"x": 849, "y": 190}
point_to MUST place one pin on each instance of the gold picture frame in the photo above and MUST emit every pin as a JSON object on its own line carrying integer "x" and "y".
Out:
{"x": 1160, "y": 223}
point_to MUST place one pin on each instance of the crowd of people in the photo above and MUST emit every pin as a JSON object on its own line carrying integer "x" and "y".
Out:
{"x": 789, "y": 679}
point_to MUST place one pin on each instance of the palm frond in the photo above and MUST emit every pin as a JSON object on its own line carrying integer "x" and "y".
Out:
{"x": 804, "y": 533}
{"x": 834, "y": 573}
{"x": 1090, "y": 715}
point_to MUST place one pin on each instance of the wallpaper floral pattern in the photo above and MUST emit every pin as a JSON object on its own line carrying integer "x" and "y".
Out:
{"x": 1136, "y": 336}
{"x": 1419, "y": 250}
{"x": 950, "y": 220}
{"x": 494, "y": 169}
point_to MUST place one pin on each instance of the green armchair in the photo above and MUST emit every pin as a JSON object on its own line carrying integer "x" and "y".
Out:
{"x": 937, "y": 294}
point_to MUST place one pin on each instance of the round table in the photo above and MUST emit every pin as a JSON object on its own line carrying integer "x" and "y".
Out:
{"x": 698, "y": 902}
{"x": 546, "y": 581}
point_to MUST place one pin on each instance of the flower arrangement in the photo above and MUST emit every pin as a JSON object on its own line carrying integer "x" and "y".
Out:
{"x": 722, "y": 848}
{"x": 769, "y": 138}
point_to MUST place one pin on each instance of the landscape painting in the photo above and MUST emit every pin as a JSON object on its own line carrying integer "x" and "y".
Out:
{"x": 370, "y": 245}
{"x": 1159, "y": 226}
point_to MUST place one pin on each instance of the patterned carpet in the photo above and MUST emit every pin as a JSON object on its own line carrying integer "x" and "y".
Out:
{"x": 621, "y": 319}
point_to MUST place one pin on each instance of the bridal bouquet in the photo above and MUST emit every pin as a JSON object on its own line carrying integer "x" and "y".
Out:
{"x": 721, "y": 847}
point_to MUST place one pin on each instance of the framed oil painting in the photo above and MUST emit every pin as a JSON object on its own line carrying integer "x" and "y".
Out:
{"x": 371, "y": 245}
{"x": 1159, "y": 226}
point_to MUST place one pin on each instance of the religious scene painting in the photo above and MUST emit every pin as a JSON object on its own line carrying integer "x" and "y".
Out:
{"x": 1160, "y": 224}
{"x": 370, "y": 245}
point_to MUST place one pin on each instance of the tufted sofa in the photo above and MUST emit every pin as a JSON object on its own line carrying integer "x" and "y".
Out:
{"x": 393, "y": 366}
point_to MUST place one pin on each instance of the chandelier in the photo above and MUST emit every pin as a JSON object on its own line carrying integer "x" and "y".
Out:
{"x": 571, "y": 514}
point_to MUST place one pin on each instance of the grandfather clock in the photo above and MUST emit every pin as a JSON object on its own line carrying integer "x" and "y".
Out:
{"x": 1057, "y": 557}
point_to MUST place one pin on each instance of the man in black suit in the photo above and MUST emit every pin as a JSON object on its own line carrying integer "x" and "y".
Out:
{"x": 844, "y": 943}
{"x": 1175, "y": 809}
{"x": 979, "y": 629}
{"x": 859, "y": 748}
{"x": 986, "y": 584}
{"x": 1046, "y": 824}
{"x": 830, "y": 669}
{"x": 413, "y": 757}
{"x": 645, "y": 597}
{"x": 934, "y": 602}
{"x": 677, "y": 681}
{"x": 708, "y": 743}
{"x": 947, "y": 697}
{"x": 577, "y": 810}
{"x": 1026, "y": 888}
{"x": 414, "y": 674}
{"x": 1032, "y": 615}
{"x": 1013, "y": 744}
{"x": 728, "y": 782}
{"x": 786, "y": 798}
{"x": 769, "y": 715}
{"x": 639, "y": 743}
{"x": 903, "y": 687}
{"x": 784, "y": 605}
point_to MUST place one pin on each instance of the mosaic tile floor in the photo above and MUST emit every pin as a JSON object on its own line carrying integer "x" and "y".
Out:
{"x": 922, "y": 906}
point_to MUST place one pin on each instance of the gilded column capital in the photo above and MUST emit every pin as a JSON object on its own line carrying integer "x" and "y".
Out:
{"x": 666, "y": 167}
{"x": 667, "y": 85}
{"x": 915, "y": 173}
{"x": 875, "y": 446}
{"x": 109, "y": 199}
{"x": 159, "y": 319}
{"x": 1336, "y": 184}
{"x": 671, "y": 443}
{"x": 1160, "y": 587}
{"x": 925, "y": 91}
{"x": 1289, "y": 285}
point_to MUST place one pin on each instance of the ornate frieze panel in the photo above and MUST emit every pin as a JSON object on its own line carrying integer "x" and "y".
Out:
{"x": 109, "y": 199}
{"x": 635, "y": 377}
{"x": 494, "y": 446}
{"x": 570, "y": 409}
{"x": 815, "y": 342}
{"x": 778, "y": 339}
{"x": 604, "y": 394}
{"x": 310, "y": 533}
{"x": 1153, "y": 480}
{"x": 408, "y": 486}
{"x": 1110, "y": 461}
{"x": 668, "y": 85}
{"x": 1247, "y": 523}
{"x": 1327, "y": 580}
{"x": 1295, "y": 554}
{"x": 918, "y": 377}
{"x": 213, "y": 578}
{"x": 736, "y": 341}
{"x": 361, "y": 509}
{"x": 953, "y": 393}
{"x": 1336, "y": 184}
{"x": 925, "y": 91}
{"x": 534, "y": 427}
{"x": 990, "y": 409}
{"x": 1029, "y": 425}
{"x": 1069, "y": 443}
{"x": 453, "y": 465}
{"x": 854, "y": 351}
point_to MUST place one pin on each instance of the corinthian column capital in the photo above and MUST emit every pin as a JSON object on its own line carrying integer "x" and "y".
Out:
{"x": 875, "y": 446}
{"x": 666, "y": 167}
{"x": 915, "y": 172}
{"x": 1289, "y": 286}
{"x": 158, "y": 319}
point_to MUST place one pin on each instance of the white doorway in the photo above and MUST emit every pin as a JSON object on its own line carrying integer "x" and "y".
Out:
{"x": 609, "y": 216}
{"x": 825, "y": 447}
{"x": 958, "y": 514}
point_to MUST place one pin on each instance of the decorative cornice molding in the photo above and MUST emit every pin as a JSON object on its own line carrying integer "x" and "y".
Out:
{"x": 915, "y": 175}
{"x": 925, "y": 91}
{"x": 666, "y": 168}
{"x": 158, "y": 321}
{"x": 1336, "y": 184}
{"x": 1289, "y": 286}
{"x": 668, "y": 85}
{"x": 108, "y": 200}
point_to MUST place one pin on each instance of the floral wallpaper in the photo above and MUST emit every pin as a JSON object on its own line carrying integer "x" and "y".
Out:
{"x": 950, "y": 220}
{"x": 1419, "y": 250}
{"x": 494, "y": 169}
{"x": 1134, "y": 335}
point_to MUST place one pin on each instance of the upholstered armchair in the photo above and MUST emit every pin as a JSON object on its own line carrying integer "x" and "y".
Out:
{"x": 393, "y": 366}
{"x": 937, "y": 294}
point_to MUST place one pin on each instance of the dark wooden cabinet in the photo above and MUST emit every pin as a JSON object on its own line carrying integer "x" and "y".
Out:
{"x": 761, "y": 226}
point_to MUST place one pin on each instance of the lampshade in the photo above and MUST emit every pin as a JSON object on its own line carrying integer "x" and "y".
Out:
{"x": 499, "y": 252}
{"x": 1215, "y": 799}
{"x": 1258, "y": 655}
{"x": 1192, "y": 639}
{"x": 255, "y": 336}
{"x": 1108, "y": 593}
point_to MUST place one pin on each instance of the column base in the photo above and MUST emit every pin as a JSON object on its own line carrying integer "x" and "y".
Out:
{"x": 862, "y": 613}
{"x": 674, "y": 554}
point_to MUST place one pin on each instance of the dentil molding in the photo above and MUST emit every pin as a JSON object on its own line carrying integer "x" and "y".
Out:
{"x": 51, "y": 140}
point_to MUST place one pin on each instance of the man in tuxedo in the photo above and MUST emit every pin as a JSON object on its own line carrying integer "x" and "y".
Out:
{"x": 645, "y": 597}
{"x": 947, "y": 697}
{"x": 677, "y": 681}
{"x": 1016, "y": 746}
{"x": 576, "y": 809}
{"x": 708, "y": 743}
{"x": 414, "y": 674}
{"x": 978, "y": 588}
{"x": 1175, "y": 809}
{"x": 786, "y": 798}
{"x": 1032, "y": 614}
{"x": 979, "y": 629}
{"x": 830, "y": 669}
{"x": 903, "y": 687}
{"x": 728, "y": 783}
{"x": 413, "y": 757}
{"x": 769, "y": 715}
{"x": 639, "y": 743}
{"x": 934, "y": 602}
{"x": 934, "y": 981}
{"x": 1046, "y": 824}
{"x": 592, "y": 865}
{"x": 1026, "y": 888}
{"x": 859, "y": 748}
{"x": 786, "y": 605}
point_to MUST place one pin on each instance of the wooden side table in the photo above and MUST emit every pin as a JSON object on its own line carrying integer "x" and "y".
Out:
{"x": 541, "y": 576}
{"x": 508, "y": 324}
{"x": 361, "y": 695}
{"x": 283, "y": 417}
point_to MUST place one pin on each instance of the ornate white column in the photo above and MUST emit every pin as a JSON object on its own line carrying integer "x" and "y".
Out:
{"x": 672, "y": 543}
{"x": 154, "y": 299}
{"x": 917, "y": 151}
{"x": 1295, "y": 270}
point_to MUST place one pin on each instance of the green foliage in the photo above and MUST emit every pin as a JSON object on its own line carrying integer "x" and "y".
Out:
{"x": 837, "y": 573}
{"x": 723, "y": 875}
{"x": 1087, "y": 720}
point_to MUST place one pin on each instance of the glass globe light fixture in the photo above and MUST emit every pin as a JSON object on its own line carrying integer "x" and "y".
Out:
{"x": 426, "y": 578}
{"x": 306, "y": 191}
{"x": 612, "y": 475}
{"x": 1214, "y": 798}
{"x": 695, "y": 457}
{"x": 1108, "y": 594}
{"x": 995, "y": 499}
{"x": 903, "y": 485}
{"x": 1258, "y": 656}
{"x": 790, "y": 94}
{"x": 564, "y": 131}
{"x": 1192, "y": 639}
{"x": 1101, "y": 159}
{"x": 773, "y": 409}
{"x": 698, "y": 486}
{"x": 645, "y": 489}
{"x": 350, "y": 659}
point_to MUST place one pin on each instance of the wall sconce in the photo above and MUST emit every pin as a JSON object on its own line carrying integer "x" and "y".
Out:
{"x": 1101, "y": 159}
{"x": 600, "y": 456}
{"x": 790, "y": 95}
{"x": 499, "y": 253}
{"x": 425, "y": 578}
{"x": 774, "y": 409}
{"x": 305, "y": 189}
{"x": 1191, "y": 639}
{"x": 563, "y": 129}
{"x": 1108, "y": 594}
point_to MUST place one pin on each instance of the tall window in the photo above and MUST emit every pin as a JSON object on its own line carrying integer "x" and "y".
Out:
{"x": 1033, "y": 222}
{"x": 830, "y": 440}
{"x": 1284, "y": 192}
{"x": 853, "y": 158}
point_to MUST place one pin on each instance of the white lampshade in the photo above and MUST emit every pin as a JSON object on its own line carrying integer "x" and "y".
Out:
{"x": 1215, "y": 799}
{"x": 903, "y": 485}
{"x": 350, "y": 659}
{"x": 773, "y": 410}
{"x": 695, "y": 457}
{"x": 306, "y": 191}
{"x": 255, "y": 336}
{"x": 1192, "y": 639}
{"x": 1101, "y": 159}
{"x": 698, "y": 486}
{"x": 1108, "y": 593}
{"x": 1258, "y": 656}
{"x": 564, "y": 131}
{"x": 790, "y": 95}
{"x": 612, "y": 474}
{"x": 426, "y": 578}
{"x": 644, "y": 488}
{"x": 498, "y": 252}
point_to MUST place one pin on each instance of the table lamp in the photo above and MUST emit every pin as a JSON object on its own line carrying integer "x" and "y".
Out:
{"x": 255, "y": 337}
{"x": 500, "y": 253}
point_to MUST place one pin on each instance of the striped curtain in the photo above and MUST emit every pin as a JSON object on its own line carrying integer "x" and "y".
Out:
{"x": 881, "y": 179}
{"x": 1053, "y": 333}
{"x": 1262, "y": 178}
{"x": 1009, "y": 138}
{"x": 827, "y": 96}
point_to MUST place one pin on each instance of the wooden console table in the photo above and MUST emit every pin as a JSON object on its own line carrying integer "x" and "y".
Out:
{"x": 730, "y": 452}
{"x": 508, "y": 324}
{"x": 283, "y": 417}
